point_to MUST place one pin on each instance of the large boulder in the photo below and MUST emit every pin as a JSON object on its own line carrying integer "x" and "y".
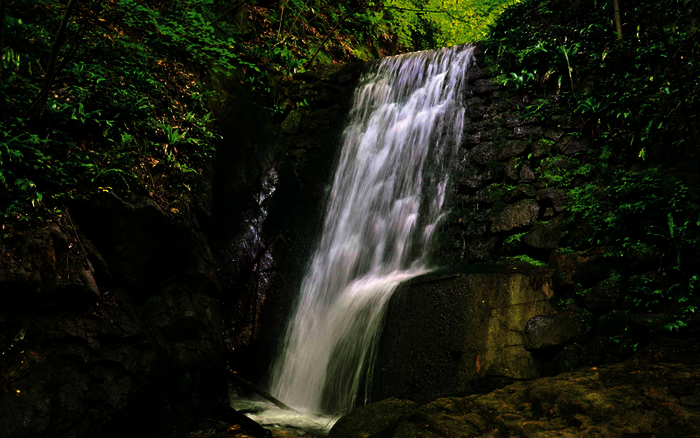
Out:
{"x": 454, "y": 331}
{"x": 656, "y": 393}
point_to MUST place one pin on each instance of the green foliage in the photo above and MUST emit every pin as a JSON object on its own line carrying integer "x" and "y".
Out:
{"x": 124, "y": 114}
{"x": 527, "y": 260}
{"x": 438, "y": 23}
{"x": 637, "y": 102}
{"x": 641, "y": 95}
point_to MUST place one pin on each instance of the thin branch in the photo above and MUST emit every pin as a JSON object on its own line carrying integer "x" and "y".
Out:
{"x": 233, "y": 8}
{"x": 291, "y": 28}
{"x": 82, "y": 248}
{"x": 433, "y": 11}
{"x": 37, "y": 107}
{"x": 69, "y": 55}
{"x": 318, "y": 49}
{"x": 235, "y": 377}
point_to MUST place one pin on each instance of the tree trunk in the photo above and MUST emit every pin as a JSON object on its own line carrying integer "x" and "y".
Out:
{"x": 618, "y": 21}
{"x": 37, "y": 107}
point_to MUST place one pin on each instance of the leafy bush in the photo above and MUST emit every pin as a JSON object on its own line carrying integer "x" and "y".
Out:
{"x": 125, "y": 111}
{"x": 635, "y": 93}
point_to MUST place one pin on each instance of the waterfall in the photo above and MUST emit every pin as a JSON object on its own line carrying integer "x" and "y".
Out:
{"x": 387, "y": 198}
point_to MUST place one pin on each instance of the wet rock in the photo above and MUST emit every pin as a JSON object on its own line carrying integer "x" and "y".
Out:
{"x": 150, "y": 337}
{"x": 606, "y": 295}
{"x": 653, "y": 394}
{"x": 512, "y": 170}
{"x": 523, "y": 191}
{"x": 143, "y": 244}
{"x": 47, "y": 266}
{"x": 526, "y": 132}
{"x": 508, "y": 217}
{"x": 319, "y": 92}
{"x": 472, "y": 139}
{"x": 482, "y": 154}
{"x": 526, "y": 174}
{"x": 512, "y": 120}
{"x": 546, "y": 235}
{"x": 469, "y": 178}
{"x": 292, "y": 123}
{"x": 557, "y": 198}
{"x": 582, "y": 267}
{"x": 373, "y": 419}
{"x": 474, "y": 108}
{"x": 543, "y": 332}
{"x": 553, "y": 134}
{"x": 570, "y": 145}
{"x": 542, "y": 147}
{"x": 512, "y": 148}
{"x": 477, "y": 72}
{"x": 495, "y": 171}
{"x": 444, "y": 330}
{"x": 483, "y": 86}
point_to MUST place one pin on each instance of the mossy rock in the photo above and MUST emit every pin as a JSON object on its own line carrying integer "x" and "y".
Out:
{"x": 494, "y": 193}
{"x": 546, "y": 235}
{"x": 542, "y": 147}
{"x": 520, "y": 214}
{"x": 376, "y": 420}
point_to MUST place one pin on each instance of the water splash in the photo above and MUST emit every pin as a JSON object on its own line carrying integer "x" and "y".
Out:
{"x": 387, "y": 198}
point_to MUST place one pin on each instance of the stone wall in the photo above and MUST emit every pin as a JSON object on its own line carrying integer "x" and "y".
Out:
{"x": 503, "y": 202}
{"x": 510, "y": 212}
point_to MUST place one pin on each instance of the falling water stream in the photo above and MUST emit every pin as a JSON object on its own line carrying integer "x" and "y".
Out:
{"x": 387, "y": 199}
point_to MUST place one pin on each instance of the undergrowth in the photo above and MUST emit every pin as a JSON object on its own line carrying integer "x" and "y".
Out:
{"x": 635, "y": 95}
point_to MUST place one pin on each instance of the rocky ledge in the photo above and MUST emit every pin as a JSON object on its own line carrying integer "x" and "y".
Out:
{"x": 656, "y": 393}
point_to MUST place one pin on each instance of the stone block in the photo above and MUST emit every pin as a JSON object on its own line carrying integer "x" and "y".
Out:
{"x": 570, "y": 145}
{"x": 520, "y": 214}
{"x": 523, "y": 191}
{"x": 556, "y": 197}
{"x": 444, "y": 330}
{"x": 546, "y": 235}
{"x": 543, "y": 332}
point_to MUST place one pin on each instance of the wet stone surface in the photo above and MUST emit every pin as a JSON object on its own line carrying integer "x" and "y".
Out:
{"x": 654, "y": 394}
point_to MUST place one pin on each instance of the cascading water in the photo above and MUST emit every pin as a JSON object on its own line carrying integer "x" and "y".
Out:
{"x": 387, "y": 198}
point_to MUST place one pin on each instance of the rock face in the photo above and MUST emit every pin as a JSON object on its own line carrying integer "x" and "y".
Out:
{"x": 654, "y": 394}
{"x": 272, "y": 177}
{"x": 453, "y": 332}
{"x": 119, "y": 313}
{"x": 517, "y": 215}
{"x": 542, "y": 332}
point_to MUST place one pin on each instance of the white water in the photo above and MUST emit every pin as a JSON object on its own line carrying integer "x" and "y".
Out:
{"x": 387, "y": 199}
